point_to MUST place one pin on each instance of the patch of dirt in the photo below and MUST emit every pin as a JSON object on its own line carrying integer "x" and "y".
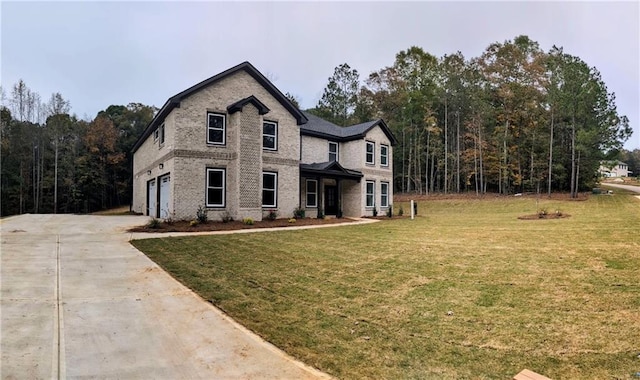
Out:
{"x": 123, "y": 210}
{"x": 622, "y": 180}
{"x": 544, "y": 216}
{"x": 185, "y": 225}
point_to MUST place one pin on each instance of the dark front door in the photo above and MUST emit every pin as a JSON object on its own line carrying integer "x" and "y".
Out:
{"x": 330, "y": 200}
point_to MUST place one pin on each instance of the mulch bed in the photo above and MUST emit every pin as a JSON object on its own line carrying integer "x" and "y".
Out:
{"x": 544, "y": 216}
{"x": 185, "y": 226}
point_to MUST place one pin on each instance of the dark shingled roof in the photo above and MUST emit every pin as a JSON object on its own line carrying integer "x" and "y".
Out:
{"x": 318, "y": 127}
{"x": 310, "y": 125}
{"x": 175, "y": 100}
{"x": 331, "y": 169}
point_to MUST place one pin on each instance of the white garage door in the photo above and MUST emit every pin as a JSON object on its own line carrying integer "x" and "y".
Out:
{"x": 164, "y": 196}
{"x": 152, "y": 198}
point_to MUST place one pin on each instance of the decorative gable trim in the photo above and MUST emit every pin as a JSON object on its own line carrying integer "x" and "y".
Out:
{"x": 239, "y": 105}
{"x": 385, "y": 128}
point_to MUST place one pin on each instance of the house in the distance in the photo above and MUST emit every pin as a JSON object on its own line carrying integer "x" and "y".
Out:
{"x": 234, "y": 145}
{"x": 614, "y": 169}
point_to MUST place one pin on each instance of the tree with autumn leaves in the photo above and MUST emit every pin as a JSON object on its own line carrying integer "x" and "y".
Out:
{"x": 515, "y": 119}
{"x": 54, "y": 162}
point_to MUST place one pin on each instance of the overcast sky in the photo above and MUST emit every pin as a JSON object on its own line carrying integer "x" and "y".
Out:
{"x": 101, "y": 53}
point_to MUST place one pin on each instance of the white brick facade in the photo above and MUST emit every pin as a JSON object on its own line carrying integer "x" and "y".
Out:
{"x": 351, "y": 154}
{"x": 185, "y": 154}
{"x": 315, "y": 149}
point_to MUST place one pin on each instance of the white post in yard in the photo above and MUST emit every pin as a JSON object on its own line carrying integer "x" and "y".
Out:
{"x": 412, "y": 214}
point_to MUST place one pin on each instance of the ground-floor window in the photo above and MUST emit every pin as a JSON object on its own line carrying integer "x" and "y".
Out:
{"x": 269, "y": 189}
{"x": 371, "y": 193}
{"x": 215, "y": 187}
{"x": 312, "y": 193}
{"x": 384, "y": 194}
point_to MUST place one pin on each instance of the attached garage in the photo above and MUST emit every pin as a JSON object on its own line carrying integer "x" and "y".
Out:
{"x": 152, "y": 197}
{"x": 165, "y": 195}
{"x": 158, "y": 197}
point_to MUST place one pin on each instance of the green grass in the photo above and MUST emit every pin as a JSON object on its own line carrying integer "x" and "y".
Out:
{"x": 464, "y": 291}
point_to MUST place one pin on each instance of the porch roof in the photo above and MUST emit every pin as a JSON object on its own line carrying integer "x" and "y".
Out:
{"x": 331, "y": 169}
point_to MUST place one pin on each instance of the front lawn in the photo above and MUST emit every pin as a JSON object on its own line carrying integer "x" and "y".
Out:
{"x": 467, "y": 290}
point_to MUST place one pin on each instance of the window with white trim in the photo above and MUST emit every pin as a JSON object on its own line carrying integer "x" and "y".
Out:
{"x": 370, "y": 154}
{"x": 384, "y": 155}
{"x": 270, "y": 135}
{"x": 312, "y": 193}
{"x": 333, "y": 151}
{"x": 216, "y": 124}
{"x": 269, "y": 189}
{"x": 370, "y": 193}
{"x": 384, "y": 194}
{"x": 161, "y": 129}
{"x": 156, "y": 133}
{"x": 216, "y": 179}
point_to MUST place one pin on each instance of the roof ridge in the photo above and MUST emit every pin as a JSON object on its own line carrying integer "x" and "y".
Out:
{"x": 174, "y": 101}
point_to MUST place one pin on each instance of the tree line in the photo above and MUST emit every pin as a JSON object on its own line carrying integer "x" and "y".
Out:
{"x": 631, "y": 158}
{"x": 515, "y": 119}
{"x": 54, "y": 162}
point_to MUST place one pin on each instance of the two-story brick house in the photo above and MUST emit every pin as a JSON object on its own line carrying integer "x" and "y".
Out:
{"x": 614, "y": 169}
{"x": 346, "y": 169}
{"x": 235, "y": 145}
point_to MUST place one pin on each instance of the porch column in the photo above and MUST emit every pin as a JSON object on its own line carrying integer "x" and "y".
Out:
{"x": 339, "y": 196}
{"x": 320, "y": 195}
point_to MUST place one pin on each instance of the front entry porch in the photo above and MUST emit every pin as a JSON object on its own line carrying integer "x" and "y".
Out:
{"x": 329, "y": 189}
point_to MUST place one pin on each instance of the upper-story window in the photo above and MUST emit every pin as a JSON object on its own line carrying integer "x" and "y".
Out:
{"x": 370, "y": 155}
{"x": 161, "y": 132}
{"x": 333, "y": 151}
{"x": 156, "y": 134}
{"x": 216, "y": 128}
{"x": 270, "y": 135}
{"x": 384, "y": 155}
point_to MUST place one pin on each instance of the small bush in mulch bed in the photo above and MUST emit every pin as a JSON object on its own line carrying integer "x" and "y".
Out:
{"x": 186, "y": 226}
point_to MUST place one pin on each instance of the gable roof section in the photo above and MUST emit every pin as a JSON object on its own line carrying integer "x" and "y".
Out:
{"x": 612, "y": 163}
{"x": 319, "y": 127}
{"x": 329, "y": 169}
{"x": 237, "y": 106}
{"x": 175, "y": 100}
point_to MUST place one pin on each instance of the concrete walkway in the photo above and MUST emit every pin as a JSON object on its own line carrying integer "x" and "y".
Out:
{"x": 78, "y": 301}
{"x": 151, "y": 235}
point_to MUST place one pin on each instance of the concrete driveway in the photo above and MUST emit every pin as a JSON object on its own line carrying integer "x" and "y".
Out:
{"x": 78, "y": 301}
{"x": 635, "y": 189}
